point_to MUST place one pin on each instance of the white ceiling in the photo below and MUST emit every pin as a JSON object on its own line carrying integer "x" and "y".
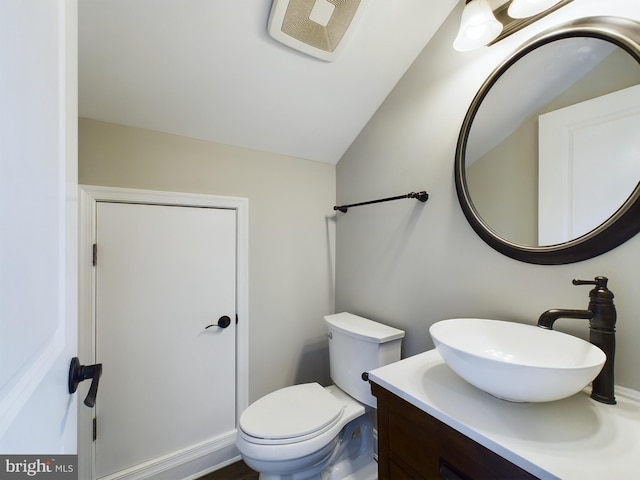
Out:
{"x": 208, "y": 69}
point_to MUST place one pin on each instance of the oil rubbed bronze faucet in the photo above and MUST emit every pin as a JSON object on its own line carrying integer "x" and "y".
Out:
{"x": 601, "y": 314}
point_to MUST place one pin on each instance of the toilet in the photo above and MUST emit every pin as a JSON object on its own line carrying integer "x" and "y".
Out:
{"x": 312, "y": 432}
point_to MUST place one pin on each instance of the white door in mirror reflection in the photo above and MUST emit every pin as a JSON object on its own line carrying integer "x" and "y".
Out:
{"x": 576, "y": 141}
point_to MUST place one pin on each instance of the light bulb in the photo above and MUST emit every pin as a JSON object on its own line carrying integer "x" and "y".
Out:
{"x": 478, "y": 26}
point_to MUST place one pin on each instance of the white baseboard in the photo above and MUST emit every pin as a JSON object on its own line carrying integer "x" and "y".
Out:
{"x": 214, "y": 468}
{"x": 187, "y": 464}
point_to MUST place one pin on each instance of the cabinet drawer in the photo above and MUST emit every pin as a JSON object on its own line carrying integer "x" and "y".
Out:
{"x": 415, "y": 445}
{"x": 399, "y": 473}
{"x": 413, "y": 442}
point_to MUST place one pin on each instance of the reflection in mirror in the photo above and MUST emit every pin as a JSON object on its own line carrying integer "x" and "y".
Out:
{"x": 552, "y": 159}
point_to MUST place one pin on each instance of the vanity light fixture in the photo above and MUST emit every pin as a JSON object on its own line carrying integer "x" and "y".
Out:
{"x": 529, "y": 8}
{"x": 478, "y": 26}
{"x": 481, "y": 26}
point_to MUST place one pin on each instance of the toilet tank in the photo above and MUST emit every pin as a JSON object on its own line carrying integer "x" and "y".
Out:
{"x": 358, "y": 345}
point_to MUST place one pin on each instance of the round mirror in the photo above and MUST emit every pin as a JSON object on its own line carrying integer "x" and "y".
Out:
{"x": 548, "y": 160}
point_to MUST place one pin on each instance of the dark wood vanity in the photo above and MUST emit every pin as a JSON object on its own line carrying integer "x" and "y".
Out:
{"x": 414, "y": 445}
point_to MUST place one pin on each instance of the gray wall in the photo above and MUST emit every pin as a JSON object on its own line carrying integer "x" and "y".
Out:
{"x": 410, "y": 264}
{"x": 291, "y": 234}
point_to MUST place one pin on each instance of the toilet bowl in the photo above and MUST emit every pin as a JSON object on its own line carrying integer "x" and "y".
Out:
{"x": 305, "y": 442}
{"x": 312, "y": 432}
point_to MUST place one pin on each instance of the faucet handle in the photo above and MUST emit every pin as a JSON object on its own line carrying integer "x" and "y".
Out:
{"x": 600, "y": 282}
{"x": 600, "y": 292}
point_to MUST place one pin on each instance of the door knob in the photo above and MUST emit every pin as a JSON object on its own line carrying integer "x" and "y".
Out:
{"x": 223, "y": 322}
{"x": 79, "y": 373}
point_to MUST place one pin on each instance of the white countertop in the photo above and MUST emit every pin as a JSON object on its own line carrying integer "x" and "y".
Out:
{"x": 575, "y": 438}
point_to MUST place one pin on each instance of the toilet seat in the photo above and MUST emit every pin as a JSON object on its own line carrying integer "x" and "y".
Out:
{"x": 258, "y": 449}
{"x": 292, "y": 414}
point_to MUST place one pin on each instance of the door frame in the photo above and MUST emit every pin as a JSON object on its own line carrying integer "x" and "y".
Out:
{"x": 88, "y": 197}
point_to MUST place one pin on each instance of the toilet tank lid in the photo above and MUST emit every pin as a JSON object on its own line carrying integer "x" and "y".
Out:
{"x": 363, "y": 328}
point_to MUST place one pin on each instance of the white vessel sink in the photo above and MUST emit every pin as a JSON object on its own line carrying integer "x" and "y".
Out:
{"x": 516, "y": 362}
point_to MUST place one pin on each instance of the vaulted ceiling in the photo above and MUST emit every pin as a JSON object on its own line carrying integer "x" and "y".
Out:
{"x": 208, "y": 69}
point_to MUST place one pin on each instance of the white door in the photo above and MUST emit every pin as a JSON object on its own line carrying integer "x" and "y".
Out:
{"x": 163, "y": 274}
{"x": 38, "y": 226}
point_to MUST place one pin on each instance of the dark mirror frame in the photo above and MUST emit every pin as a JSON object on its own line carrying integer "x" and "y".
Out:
{"x": 623, "y": 224}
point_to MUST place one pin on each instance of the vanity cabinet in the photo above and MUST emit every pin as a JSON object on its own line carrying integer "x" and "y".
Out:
{"x": 414, "y": 445}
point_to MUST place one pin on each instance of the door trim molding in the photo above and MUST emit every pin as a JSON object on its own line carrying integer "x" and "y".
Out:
{"x": 89, "y": 196}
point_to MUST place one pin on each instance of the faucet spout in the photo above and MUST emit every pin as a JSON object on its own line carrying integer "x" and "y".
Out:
{"x": 548, "y": 318}
{"x": 601, "y": 314}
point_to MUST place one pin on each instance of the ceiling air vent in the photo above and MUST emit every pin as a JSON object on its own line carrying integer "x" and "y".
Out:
{"x": 318, "y": 28}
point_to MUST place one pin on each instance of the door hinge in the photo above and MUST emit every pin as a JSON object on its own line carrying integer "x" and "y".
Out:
{"x": 95, "y": 254}
{"x": 236, "y": 318}
{"x": 95, "y": 428}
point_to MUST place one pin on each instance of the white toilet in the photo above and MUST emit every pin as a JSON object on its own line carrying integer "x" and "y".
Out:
{"x": 312, "y": 432}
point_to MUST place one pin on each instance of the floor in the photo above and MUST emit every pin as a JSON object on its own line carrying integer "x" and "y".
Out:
{"x": 235, "y": 471}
